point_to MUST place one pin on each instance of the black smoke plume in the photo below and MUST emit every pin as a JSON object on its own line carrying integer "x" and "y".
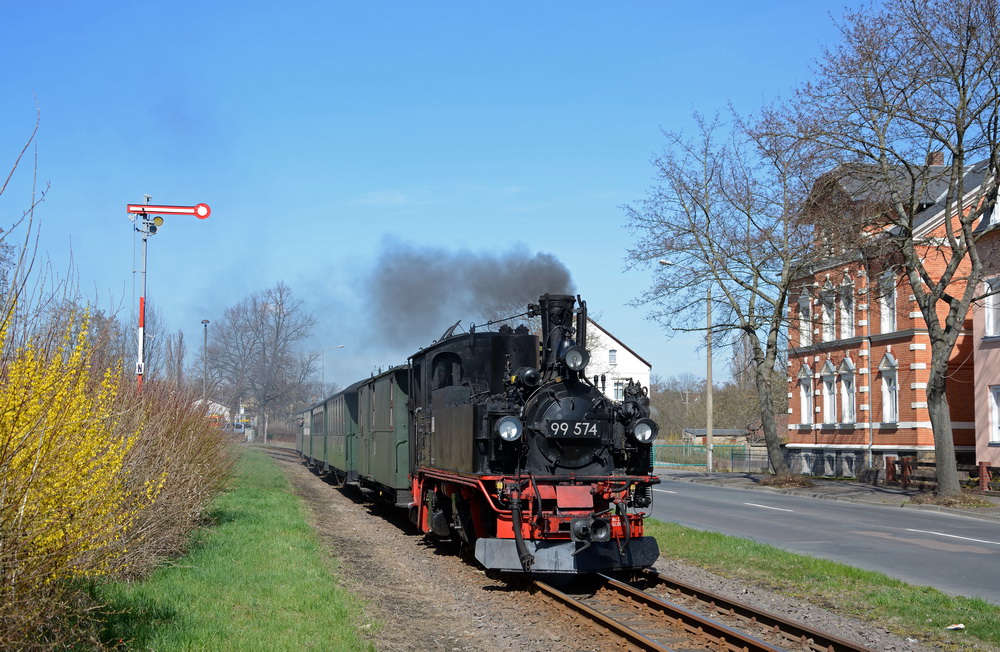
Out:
{"x": 417, "y": 293}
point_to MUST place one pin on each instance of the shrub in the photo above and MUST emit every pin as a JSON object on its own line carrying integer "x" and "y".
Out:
{"x": 96, "y": 479}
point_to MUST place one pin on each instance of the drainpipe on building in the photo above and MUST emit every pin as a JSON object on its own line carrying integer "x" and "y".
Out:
{"x": 868, "y": 372}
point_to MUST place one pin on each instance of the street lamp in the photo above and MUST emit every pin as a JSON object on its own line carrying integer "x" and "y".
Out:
{"x": 322, "y": 376}
{"x": 708, "y": 371}
{"x": 204, "y": 361}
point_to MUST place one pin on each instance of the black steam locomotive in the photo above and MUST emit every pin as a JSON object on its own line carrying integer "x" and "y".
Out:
{"x": 500, "y": 440}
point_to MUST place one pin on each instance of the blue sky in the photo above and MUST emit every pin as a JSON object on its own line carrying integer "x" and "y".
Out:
{"x": 329, "y": 136}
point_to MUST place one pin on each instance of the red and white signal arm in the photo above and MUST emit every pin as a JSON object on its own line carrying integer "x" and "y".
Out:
{"x": 201, "y": 211}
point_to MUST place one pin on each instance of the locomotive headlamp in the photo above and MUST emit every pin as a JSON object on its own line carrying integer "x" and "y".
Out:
{"x": 644, "y": 430}
{"x": 576, "y": 357}
{"x": 509, "y": 428}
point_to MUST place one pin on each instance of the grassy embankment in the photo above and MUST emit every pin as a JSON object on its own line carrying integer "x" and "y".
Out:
{"x": 256, "y": 580}
{"x": 918, "y": 612}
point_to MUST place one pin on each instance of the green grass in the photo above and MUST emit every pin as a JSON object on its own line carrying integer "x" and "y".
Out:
{"x": 917, "y": 612}
{"x": 256, "y": 580}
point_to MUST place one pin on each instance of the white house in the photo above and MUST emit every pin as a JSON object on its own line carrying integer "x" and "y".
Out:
{"x": 613, "y": 362}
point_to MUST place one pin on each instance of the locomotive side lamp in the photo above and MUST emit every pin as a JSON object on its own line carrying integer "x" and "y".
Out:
{"x": 644, "y": 430}
{"x": 509, "y": 428}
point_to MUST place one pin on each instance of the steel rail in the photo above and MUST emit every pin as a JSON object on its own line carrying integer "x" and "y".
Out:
{"x": 790, "y": 629}
{"x": 715, "y": 635}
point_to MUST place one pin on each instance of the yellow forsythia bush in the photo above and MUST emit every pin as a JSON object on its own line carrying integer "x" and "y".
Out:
{"x": 64, "y": 498}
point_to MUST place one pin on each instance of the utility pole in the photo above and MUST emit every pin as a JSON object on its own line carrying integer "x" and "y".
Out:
{"x": 204, "y": 364}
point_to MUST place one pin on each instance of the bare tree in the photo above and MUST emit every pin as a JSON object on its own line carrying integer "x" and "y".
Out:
{"x": 726, "y": 217}
{"x": 912, "y": 79}
{"x": 253, "y": 352}
{"x": 174, "y": 352}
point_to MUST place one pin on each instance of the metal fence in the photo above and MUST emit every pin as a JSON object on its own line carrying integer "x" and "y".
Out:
{"x": 727, "y": 457}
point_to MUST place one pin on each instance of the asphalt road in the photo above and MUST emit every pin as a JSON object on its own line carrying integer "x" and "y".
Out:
{"x": 955, "y": 554}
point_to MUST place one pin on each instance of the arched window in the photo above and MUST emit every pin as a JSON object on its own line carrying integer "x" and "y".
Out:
{"x": 828, "y": 317}
{"x": 829, "y": 375}
{"x": 846, "y": 310}
{"x": 805, "y": 321}
{"x": 847, "y": 391}
{"x": 887, "y": 301}
{"x": 889, "y": 370}
{"x": 806, "y": 394}
{"x": 613, "y": 356}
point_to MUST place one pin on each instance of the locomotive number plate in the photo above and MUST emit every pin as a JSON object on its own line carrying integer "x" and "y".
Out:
{"x": 573, "y": 429}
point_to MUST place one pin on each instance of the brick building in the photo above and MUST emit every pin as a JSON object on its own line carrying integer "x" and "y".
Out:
{"x": 859, "y": 352}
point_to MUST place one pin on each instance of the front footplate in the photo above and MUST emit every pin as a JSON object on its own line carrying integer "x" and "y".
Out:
{"x": 557, "y": 556}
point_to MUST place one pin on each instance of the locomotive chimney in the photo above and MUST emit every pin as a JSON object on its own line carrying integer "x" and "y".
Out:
{"x": 560, "y": 352}
{"x": 556, "y": 311}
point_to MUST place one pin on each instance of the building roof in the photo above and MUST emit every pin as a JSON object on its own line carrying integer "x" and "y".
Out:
{"x": 928, "y": 183}
{"x": 623, "y": 344}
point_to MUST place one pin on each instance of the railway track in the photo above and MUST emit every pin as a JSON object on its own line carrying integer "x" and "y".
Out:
{"x": 669, "y": 615}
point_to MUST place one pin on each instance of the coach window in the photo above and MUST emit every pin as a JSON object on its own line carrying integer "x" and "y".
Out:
{"x": 392, "y": 401}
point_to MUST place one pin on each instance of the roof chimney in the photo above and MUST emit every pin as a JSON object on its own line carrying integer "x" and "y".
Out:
{"x": 935, "y": 158}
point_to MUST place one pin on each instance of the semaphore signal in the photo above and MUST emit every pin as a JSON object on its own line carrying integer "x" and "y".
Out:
{"x": 149, "y": 223}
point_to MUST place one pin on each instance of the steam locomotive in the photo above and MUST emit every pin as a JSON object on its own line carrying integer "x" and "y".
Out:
{"x": 497, "y": 438}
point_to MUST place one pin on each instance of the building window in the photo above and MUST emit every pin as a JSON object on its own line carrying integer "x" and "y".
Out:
{"x": 613, "y": 356}
{"x": 887, "y": 302}
{"x": 806, "y": 394}
{"x": 847, "y": 311}
{"x": 829, "y": 332}
{"x": 991, "y": 308}
{"x": 995, "y": 415}
{"x": 890, "y": 389}
{"x": 847, "y": 391}
{"x": 829, "y": 393}
{"x": 619, "y": 390}
{"x": 805, "y": 322}
{"x": 847, "y": 397}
